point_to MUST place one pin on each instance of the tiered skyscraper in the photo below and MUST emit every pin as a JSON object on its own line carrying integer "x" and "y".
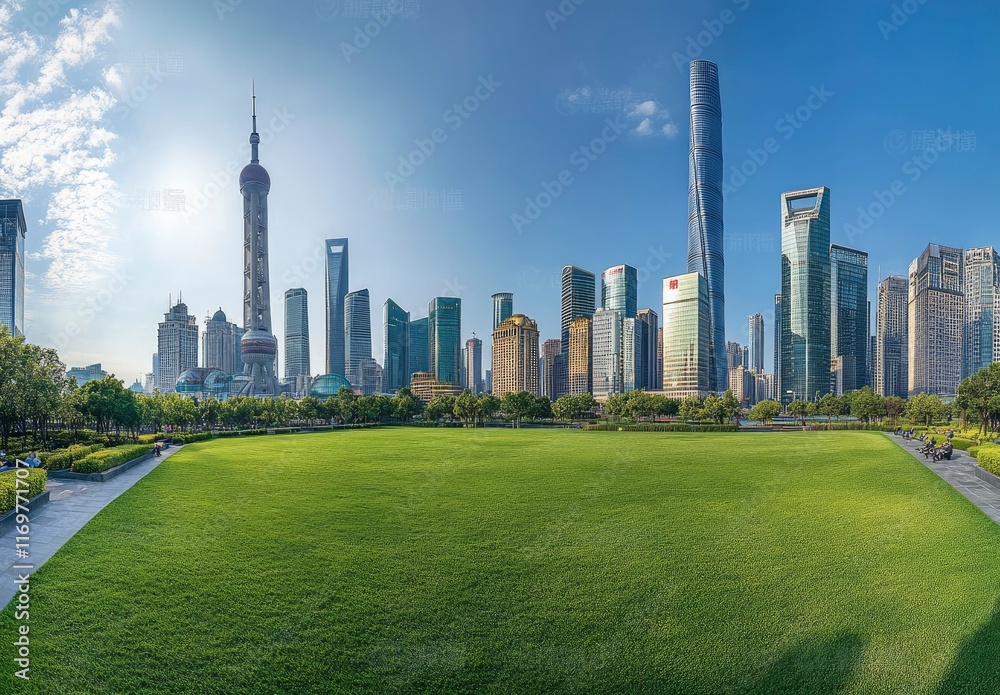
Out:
{"x": 177, "y": 341}
{"x": 396, "y": 339}
{"x": 12, "y": 233}
{"x": 982, "y": 295}
{"x": 297, "y": 362}
{"x": 259, "y": 346}
{"x": 849, "y": 331}
{"x": 936, "y": 321}
{"x": 805, "y": 294}
{"x": 337, "y": 278}
{"x": 706, "y": 232}
{"x": 891, "y": 336}
{"x": 358, "y": 335}
{"x": 515, "y": 356}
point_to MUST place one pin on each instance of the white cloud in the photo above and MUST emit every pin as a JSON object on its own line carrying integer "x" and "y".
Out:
{"x": 670, "y": 130}
{"x": 644, "y": 128}
{"x": 644, "y": 110}
{"x": 655, "y": 120}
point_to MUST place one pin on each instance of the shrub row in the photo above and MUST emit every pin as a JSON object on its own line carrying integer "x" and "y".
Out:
{"x": 8, "y": 487}
{"x": 192, "y": 438}
{"x": 100, "y": 461}
{"x": 59, "y": 460}
{"x": 662, "y": 427}
{"x": 151, "y": 438}
{"x": 989, "y": 458}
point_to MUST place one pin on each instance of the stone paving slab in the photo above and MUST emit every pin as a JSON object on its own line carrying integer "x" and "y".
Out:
{"x": 960, "y": 474}
{"x": 72, "y": 503}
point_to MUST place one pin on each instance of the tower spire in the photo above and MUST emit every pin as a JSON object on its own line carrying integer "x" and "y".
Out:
{"x": 254, "y": 137}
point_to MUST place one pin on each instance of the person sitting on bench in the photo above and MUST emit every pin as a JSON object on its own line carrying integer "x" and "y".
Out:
{"x": 944, "y": 452}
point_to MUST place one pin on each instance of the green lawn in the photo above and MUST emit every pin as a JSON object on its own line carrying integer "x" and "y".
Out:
{"x": 402, "y": 560}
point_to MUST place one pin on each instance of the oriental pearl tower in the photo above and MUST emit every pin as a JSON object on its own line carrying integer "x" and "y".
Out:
{"x": 259, "y": 346}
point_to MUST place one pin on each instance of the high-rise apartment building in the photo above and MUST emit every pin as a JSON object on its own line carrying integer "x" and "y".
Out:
{"x": 734, "y": 354}
{"x": 177, "y": 346}
{"x": 850, "y": 326}
{"x": 805, "y": 294}
{"x": 419, "y": 357}
{"x": 357, "y": 334}
{"x": 396, "y": 339}
{"x": 620, "y": 290}
{"x": 579, "y": 359}
{"x": 551, "y": 352}
{"x": 891, "y": 338}
{"x": 503, "y": 308}
{"x": 445, "y": 339}
{"x": 686, "y": 331}
{"x": 337, "y": 279}
{"x": 474, "y": 364}
{"x": 755, "y": 350}
{"x": 12, "y": 233}
{"x": 936, "y": 321}
{"x": 218, "y": 344}
{"x": 982, "y": 292}
{"x": 297, "y": 362}
{"x": 515, "y": 356}
{"x": 706, "y": 234}
{"x": 606, "y": 353}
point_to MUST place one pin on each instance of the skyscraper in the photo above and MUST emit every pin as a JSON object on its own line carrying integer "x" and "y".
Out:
{"x": 706, "y": 233}
{"x": 633, "y": 337}
{"x": 297, "y": 362}
{"x": 357, "y": 334}
{"x": 850, "y": 328}
{"x": 936, "y": 321}
{"x": 805, "y": 294}
{"x": 258, "y": 345}
{"x": 218, "y": 344}
{"x": 891, "y": 338}
{"x": 649, "y": 366}
{"x": 503, "y": 308}
{"x": 578, "y": 299}
{"x": 551, "y": 351}
{"x": 445, "y": 339}
{"x": 579, "y": 360}
{"x": 474, "y": 364}
{"x": 686, "y": 331}
{"x": 606, "y": 355}
{"x": 337, "y": 277}
{"x": 734, "y": 355}
{"x": 12, "y": 233}
{"x": 777, "y": 348}
{"x": 177, "y": 346}
{"x": 396, "y": 339}
{"x": 515, "y": 356}
{"x": 419, "y": 357}
{"x": 982, "y": 291}
{"x": 755, "y": 355}
{"x": 620, "y": 290}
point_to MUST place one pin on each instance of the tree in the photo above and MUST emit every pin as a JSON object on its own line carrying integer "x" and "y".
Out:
{"x": 466, "y": 406}
{"x": 440, "y": 407}
{"x": 712, "y": 409}
{"x": 765, "y": 411}
{"x": 541, "y": 409}
{"x": 346, "y": 405}
{"x": 614, "y": 406}
{"x": 894, "y": 408}
{"x": 830, "y": 406}
{"x": 798, "y": 409}
{"x": 729, "y": 408}
{"x": 487, "y": 407}
{"x": 691, "y": 408}
{"x": 867, "y": 405}
{"x": 516, "y": 406}
{"x": 406, "y": 406}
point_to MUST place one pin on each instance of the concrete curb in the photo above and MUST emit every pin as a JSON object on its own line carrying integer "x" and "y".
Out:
{"x": 7, "y": 520}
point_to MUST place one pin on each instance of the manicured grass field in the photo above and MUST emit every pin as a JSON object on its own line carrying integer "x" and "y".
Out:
{"x": 402, "y": 560}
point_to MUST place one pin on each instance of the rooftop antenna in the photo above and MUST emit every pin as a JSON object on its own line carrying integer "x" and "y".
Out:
{"x": 254, "y": 137}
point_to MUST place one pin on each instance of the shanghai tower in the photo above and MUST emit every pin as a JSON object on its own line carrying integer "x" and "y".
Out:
{"x": 259, "y": 346}
{"x": 706, "y": 243}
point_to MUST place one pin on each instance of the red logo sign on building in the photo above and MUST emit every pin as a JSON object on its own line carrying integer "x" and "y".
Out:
{"x": 673, "y": 284}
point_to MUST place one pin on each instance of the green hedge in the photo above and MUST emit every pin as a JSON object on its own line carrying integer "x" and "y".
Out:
{"x": 241, "y": 433}
{"x": 59, "y": 460}
{"x": 662, "y": 427}
{"x": 989, "y": 459}
{"x": 8, "y": 487}
{"x": 192, "y": 438}
{"x": 100, "y": 461}
{"x": 151, "y": 438}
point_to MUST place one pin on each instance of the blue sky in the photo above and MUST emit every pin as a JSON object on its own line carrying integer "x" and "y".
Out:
{"x": 342, "y": 97}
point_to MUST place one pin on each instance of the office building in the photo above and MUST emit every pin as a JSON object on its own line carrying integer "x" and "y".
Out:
{"x": 396, "y": 341}
{"x": 706, "y": 239}
{"x": 551, "y": 352}
{"x": 445, "y": 339}
{"x": 337, "y": 285}
{"x": 357, "y": 334}
{"x": 84, "y": 374}
{"x": 765, "y": 388}
{"x": 177, "y": 346}
{"x": 633, "y": 337}
{"x": 891, "y": 338}
{"x": 742, "y": 383}
{"x": 606, "y": 353}
{"x": 620, "y": 290}
{"x": 578, "y": 299}
{"x": 297, "y": 362}
{"x": 474, "y": 364}
{"x": 936, "y": 321}
{"x": 687, "y": 328}
{"x": 650, "y": 372}
{"x": 777, "y": 347}
{"x": 755, "y": 350}
{"x": 735, "y": 354}
{"x": 503, "y": 308}
{"x": 579, "y": 359}
{"x": 805, "y": 294}
{"x": 419, "y": 357}
{"x": 850, "y": 330}
{"x": 218, "y": 344}
{"x": 982, "y": 290}
{"x": 515, "y": 356}
{"x": 369, "y": 377}
{"x": 12, "y": 233}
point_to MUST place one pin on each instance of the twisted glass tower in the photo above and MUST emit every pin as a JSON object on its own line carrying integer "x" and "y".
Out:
{"x": 706, "y": 248}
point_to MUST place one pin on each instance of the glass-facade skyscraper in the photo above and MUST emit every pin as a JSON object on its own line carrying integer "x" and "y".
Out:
{"x": 396, "y": 339}
{"x": 686, "y": 329}
{"x": 419, "y": 357}
{"x": 650, "y": 373}
{"x": 606, "y": 353}
{"x": 445, "y": 339}
{"x": 12, "y": 232}
{"x": 982, "y": 292}
{"x": 755, "y": 356}
{"x": 297, "y": 362}
{"x": 936, "y": 321}
{"x": 891, "y": 336}
{"x": 850, "y": 329}
{"x": 620, "y": 290}
{"x": 579, "y": 298}
{"x": 706, "y": 233}
{"x": 336, "y": 290}
{"x": 805, "y": 294}
{"x": 358, "y": 334}
{"x": 503, "y": 308}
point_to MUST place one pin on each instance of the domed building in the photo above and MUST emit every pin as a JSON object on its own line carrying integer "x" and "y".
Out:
{"x": 220, "y": 344}
{"x": 327, "y": 386}
{"x": 204, "y": 382}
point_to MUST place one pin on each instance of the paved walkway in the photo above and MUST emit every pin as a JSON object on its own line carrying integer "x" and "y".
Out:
{"x": 960, "y": 475}
{"x": 72, "y": 503}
